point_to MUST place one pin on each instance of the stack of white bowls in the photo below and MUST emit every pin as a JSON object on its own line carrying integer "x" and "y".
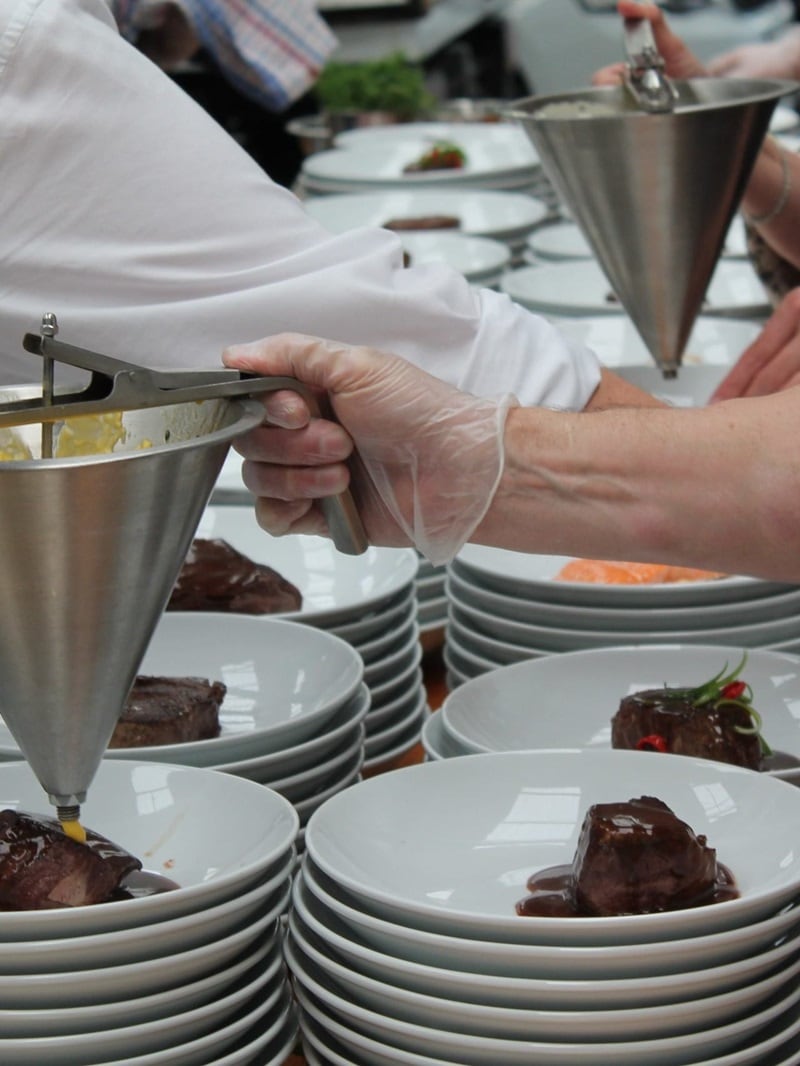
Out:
{"x": 509, "y": 217}
{"x": 498, "y": 155}
{"x": 506, "y": 606}
{"x": 431, "y": 598}
{"x": 569, "y": 700}
{"x": 406, "y": 947}
{"x": 189, "y": 976}
{"x": 293, "y": 713}
{"x": 367, "y": 600}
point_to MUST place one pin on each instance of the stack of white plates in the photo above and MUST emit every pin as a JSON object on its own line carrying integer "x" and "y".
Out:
{"x": 431, "y": 597}
{"x": 293, "y": 713}
{"x": 188, "y": 976}
{"x": 501, "y": 216}
{"x": 498, "y": 156}
{"x": 405, "y": 945}
{"x": 367, "y": 600}
{"x": 565, "y": 240}
{"x": 580, "y": 287}
{"x": 506, "y": 606}
{"x": 577, "y": 693}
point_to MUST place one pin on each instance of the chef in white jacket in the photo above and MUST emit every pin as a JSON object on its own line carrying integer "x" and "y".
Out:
{"x": 130, "y": 214}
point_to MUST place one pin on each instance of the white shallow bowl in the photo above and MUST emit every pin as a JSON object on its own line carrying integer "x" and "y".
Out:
{"x": 336, "y": 588}
{"x": 536, "y": 1022}
{"x": 714, "y": 341}
{"x": 565, "y": 240}
{"x": 482, "y": 212}
{"x": 577, "y": 694}
{"x": 462, "y": 867}
{"x": 525, "y": 575}
{"x": 285, "y": 681}
{"x": 557, "y": 962}
{"x": 448, "y": 1043}
{"x": 182, "y": 822}
{"x": 344, "y": 945}
{"x": 480, "y": 259}
{"x": 581, "y": 288}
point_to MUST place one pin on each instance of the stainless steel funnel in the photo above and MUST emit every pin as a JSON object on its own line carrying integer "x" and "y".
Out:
{"x": 90, "y": 548}
{"x": 654, "y": 193}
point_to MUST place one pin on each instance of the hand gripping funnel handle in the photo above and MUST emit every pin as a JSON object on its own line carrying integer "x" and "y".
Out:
{"x": 116, "y": 385}
{"x": 645, "y": 77}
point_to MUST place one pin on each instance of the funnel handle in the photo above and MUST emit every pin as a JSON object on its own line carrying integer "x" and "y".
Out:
{"x": 645, "y": 77}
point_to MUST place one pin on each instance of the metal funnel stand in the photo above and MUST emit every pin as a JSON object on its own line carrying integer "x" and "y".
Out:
{"x": 654, "y": 189}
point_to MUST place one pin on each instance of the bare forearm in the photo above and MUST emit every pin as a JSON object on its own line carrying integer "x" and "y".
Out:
{"x": 717, "y": 488}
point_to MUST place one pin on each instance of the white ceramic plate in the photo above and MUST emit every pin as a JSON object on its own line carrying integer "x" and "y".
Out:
{"x": 182, "y": 822}
{"x": 480, "y": 259}
{"x": 577, "y": 693}
{"x": 344, "y": 946}
{"x": 482, "y": 212}
{"x": 522, "y": 574}
{"x": 392, "y": 612}
{"x": 379, "y": 158}
{"x": 336, "y": 588}
{"x": 783, "y": 118}
{"x": 713, "y": 341}
{"x": 437, "y": 743}
{"x": 581, "y": 288}
{"x": 565, "y": 240}
{"x": 672, "y": 1050}
{"x": 473, "y": 137}
{"x": 566, "y": 962}
{"x": 462, "y": 867}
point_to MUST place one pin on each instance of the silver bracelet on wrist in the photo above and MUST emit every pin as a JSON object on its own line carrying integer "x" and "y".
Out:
{"x": 783, "y": 195}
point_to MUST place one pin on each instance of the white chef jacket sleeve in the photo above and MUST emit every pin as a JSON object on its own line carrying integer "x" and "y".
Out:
{"x": 130, "y": 214}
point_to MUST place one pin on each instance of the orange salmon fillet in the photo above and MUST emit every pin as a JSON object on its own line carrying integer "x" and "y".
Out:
{"x": 603, "y": 572}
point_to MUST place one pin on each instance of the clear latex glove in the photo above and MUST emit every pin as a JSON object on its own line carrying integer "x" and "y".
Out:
{"x": 765, "y": 59}
{"x": 429, "y": 457}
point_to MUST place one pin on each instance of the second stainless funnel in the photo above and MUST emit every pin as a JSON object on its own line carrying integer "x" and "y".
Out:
{"x": 654, "y": 193}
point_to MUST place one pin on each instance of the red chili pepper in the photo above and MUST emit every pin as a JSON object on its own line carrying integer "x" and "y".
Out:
{"x": 733, "y": 690}
{"x": 653, "y": 742}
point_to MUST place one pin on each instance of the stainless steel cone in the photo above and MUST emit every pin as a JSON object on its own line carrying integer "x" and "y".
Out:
{"x": 90, "y": 548}
{"x": 654, "y": 194}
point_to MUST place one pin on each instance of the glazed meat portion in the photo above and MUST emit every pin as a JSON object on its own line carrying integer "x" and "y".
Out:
{"x": 423, "y": 222}
{"x": 217, "y": 577}
{"x": 639, "y": 857}
{"x": 671, "y": 720}
{"x": 41, "y": 867}
{"x": 169, "y": 710}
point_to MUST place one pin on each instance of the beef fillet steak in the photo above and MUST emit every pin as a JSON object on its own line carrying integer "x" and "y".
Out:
{"x": 41, "y": 867}
{"x": 217, "y": 577}
{"x": 169, "y": 710}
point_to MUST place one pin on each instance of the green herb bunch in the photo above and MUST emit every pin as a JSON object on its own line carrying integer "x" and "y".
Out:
{"x": 389, "y": 84}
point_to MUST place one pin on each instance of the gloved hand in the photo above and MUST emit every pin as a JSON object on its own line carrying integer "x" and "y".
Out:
{"x": 429, "y": 457}
{"x": 679, "y": 61}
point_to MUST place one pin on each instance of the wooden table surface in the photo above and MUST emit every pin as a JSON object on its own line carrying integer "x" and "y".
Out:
{"x": 434, "y": 678}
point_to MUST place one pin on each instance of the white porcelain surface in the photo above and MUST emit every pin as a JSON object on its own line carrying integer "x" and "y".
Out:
{"x": 581, "y": 287}
{"x": 714, "y": 341}
{"x": 335, "y": 587}
{"x": 783, "y": 118}
{"x": 522, "y": 574}
{"x": 182, "y": 822}
{"x": 559, "y": 962}
{"x": 462, "y": 867}
{"x": 565, "y": 240}
{"x": 577, "y": 693}
{"x": 482, "y": 212}
{"x": 362, "y": 627}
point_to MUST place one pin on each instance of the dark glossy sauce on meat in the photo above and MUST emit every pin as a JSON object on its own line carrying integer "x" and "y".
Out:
{"x": 141, "y": 883}
{"x": 552, "y": 893}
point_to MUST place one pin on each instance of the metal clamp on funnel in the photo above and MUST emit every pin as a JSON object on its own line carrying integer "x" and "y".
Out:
{"x": 116, "y": 385}
{"x": 645, "y": 76}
